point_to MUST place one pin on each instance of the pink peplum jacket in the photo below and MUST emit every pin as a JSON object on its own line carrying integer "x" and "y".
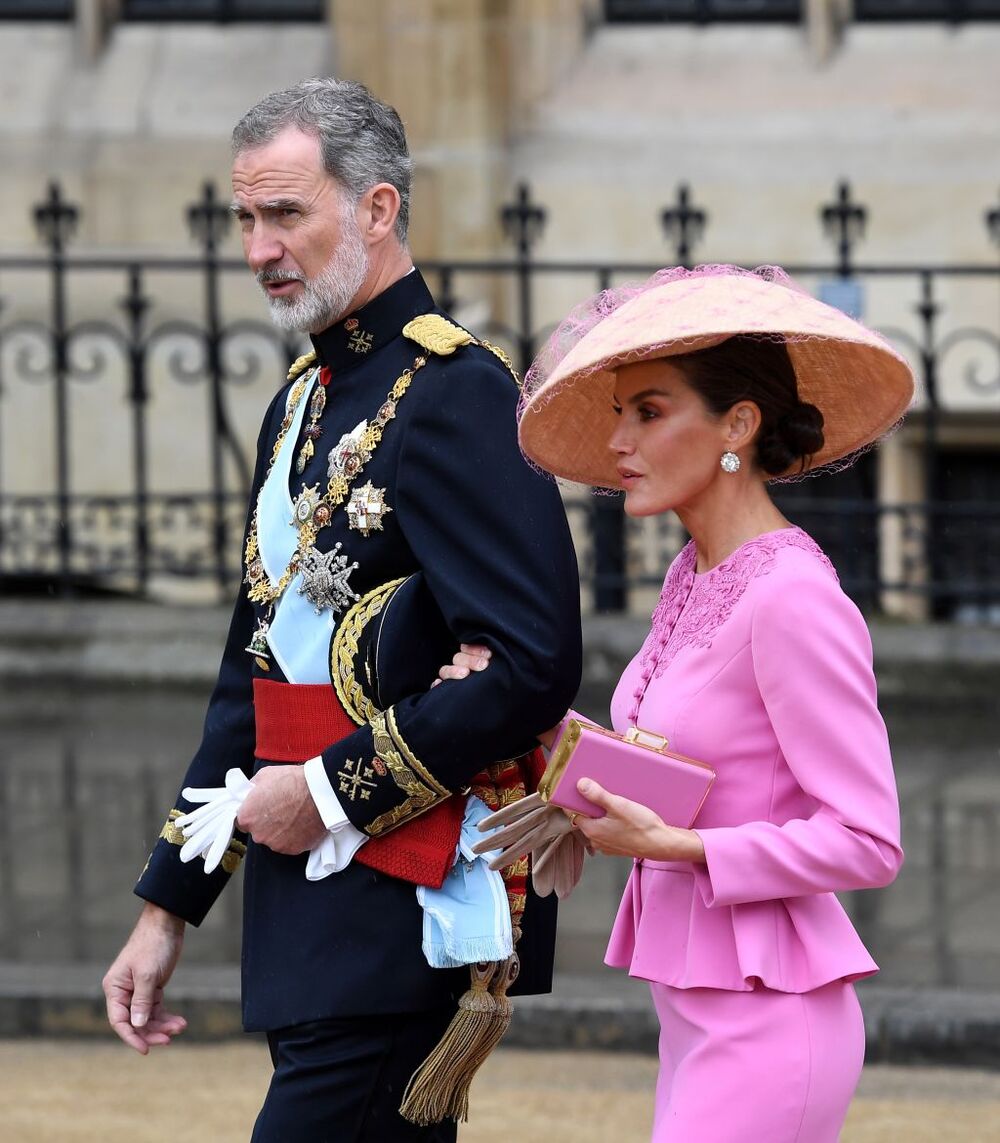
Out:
{"x": 763, "y": 668}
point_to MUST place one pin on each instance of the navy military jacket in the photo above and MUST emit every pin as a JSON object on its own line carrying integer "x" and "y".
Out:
{"x": 489, "y": 536}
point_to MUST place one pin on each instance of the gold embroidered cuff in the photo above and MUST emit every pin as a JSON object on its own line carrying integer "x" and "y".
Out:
{"x": 422, "y": 790}
{"x": 173, "y": 834}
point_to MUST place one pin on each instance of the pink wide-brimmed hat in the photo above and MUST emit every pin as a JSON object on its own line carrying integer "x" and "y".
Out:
{"x": 859, "y": 382}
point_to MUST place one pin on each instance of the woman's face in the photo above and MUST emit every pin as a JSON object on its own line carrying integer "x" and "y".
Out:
{"x": 668, "y": 443}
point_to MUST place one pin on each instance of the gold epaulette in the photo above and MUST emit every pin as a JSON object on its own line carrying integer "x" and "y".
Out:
{"x": 301, "y": 364}
{"x": 436, "y": 334}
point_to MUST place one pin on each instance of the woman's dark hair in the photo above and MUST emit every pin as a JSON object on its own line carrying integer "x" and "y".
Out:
{"x": 758, "y": 369}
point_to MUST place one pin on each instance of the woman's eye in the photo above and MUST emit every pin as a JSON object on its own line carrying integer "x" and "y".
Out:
{"x": 647, "y": 413}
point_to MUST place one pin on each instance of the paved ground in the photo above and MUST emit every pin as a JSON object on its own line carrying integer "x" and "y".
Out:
{"x": 82, "y": 1091}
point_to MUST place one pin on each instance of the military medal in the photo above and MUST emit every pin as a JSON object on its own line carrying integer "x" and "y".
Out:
{"x": 304, "y": 508}
{"x": 312, "y": 432}
{"x": 325, "y": 577}
{"x": 366, "y": 508}
{"x": 345, "y": 458}
{"x": 258, "y": 646}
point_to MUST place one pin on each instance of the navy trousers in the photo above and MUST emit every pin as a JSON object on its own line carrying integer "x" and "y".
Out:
{"x": 342, "y": 1081}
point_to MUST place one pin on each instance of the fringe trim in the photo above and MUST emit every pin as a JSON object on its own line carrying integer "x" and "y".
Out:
{"x": 439, "y": 1088}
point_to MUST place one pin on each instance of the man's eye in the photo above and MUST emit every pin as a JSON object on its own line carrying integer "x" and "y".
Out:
{"x": 617, "y": 409}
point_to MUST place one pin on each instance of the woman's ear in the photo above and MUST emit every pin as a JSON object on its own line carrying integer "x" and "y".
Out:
{"x": 741, "y": 423}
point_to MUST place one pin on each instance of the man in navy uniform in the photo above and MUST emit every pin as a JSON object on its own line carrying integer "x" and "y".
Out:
{"x": 390, "y": 455}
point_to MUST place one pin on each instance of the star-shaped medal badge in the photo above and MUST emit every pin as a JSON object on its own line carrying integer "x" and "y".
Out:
{"x": 305, "y": 506}
{"x": 325, "y": 579}
{"x": 366, "y": 508}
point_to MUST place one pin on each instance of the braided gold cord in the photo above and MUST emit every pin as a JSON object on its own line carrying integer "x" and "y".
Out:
{"x": 345, "y": 648}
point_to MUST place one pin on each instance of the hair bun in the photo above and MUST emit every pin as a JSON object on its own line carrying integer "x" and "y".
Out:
{"x": 797, "y": 435}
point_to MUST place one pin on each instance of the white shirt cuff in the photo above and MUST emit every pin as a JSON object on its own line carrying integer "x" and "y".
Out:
{"x": 343, "y": 841}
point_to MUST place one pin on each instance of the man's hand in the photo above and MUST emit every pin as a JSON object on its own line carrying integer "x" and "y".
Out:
{"x": 133, "y": 985}
{"x": 279, "y": 811}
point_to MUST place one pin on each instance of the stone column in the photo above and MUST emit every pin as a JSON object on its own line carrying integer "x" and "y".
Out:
{"x": 94, "y": 19}
{"x": 825, "y": 23}
{"x": 463, "y": 75}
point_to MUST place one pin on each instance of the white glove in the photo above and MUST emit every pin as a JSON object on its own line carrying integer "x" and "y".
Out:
{"x": 208, "y": 830}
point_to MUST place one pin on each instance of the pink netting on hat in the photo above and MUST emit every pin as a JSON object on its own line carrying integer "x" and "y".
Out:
{"x": 588, "y": 314}
{"x": 583, "y": 317}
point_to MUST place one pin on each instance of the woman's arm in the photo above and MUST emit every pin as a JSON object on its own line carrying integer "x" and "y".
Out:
{"x": 812, "y": 662}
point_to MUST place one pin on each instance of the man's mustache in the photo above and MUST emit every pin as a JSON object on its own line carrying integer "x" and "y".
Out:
{"x": 265, "y": 276}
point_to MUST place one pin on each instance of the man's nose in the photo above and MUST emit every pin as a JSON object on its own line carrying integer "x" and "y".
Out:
{"x": 262, "y": 250}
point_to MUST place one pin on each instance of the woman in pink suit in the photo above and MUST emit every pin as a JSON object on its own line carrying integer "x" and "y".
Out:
{"x": 691, "y": 393}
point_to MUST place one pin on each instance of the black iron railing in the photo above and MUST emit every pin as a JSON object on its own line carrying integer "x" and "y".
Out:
{"x": 225, "y": 11}
{"x": 101, "y": 489}
{"x": 792, "y": 11}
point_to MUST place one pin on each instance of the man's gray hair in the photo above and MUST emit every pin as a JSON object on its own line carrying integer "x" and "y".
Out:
{"x": 361, "y": 139}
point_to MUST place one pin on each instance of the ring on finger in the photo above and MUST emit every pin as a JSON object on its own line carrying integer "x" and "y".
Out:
{"x": 573, "y": 818}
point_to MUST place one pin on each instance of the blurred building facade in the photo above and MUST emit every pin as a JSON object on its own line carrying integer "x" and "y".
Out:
{"x": 560, "y": 145}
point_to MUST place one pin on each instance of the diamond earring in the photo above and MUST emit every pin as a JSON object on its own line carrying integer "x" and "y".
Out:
{"x": 730, "y": 462}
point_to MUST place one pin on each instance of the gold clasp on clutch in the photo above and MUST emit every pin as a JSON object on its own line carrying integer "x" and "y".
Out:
{"x": 646, "y": 738}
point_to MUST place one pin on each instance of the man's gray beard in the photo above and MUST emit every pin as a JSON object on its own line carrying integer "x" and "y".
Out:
{"x": 326, "y": 297}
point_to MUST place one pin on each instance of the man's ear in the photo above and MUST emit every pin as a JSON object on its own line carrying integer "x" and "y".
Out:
{"x": 380, "y": 207}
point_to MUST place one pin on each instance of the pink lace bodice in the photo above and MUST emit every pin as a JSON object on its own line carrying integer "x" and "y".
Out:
{"x": 693, "y": 607}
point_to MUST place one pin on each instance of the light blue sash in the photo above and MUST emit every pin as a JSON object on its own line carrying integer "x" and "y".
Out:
{"x": 299, "y": 638}
{"x": 468, "y": 919}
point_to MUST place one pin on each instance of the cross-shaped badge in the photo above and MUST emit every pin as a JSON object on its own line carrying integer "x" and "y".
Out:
{"x": 360, "y": 341}
{"x": 366, "y": 508}
{"x": 354, "y": 779}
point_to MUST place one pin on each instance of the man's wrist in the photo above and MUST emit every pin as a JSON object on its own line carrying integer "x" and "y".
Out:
{"x": 155, "y": 916}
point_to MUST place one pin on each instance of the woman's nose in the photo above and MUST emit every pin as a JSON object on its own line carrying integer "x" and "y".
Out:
{"x": 621, "y": 442}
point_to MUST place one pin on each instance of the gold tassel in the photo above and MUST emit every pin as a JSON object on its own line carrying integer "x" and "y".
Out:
{"x": 440, "y": 1086}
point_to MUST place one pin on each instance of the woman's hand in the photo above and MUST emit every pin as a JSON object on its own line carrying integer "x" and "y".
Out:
{"x": 633, "y": 830}
{"x": 469, "y": 657}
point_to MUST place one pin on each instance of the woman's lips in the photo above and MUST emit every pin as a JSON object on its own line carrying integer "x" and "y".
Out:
{"x": 628, "y": 477}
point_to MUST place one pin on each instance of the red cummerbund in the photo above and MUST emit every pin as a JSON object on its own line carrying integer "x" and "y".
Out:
{"x": 296, "y": 722}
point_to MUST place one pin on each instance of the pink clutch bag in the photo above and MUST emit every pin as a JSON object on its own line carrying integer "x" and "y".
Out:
{"x": 636, "y": 765}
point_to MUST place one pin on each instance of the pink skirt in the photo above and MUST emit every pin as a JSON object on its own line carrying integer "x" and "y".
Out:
{"x": 745, "y": 1067}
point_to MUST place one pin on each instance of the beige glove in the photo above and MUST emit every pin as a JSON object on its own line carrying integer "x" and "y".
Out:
{"x": 543, "y": 830}
{"x": 558, "y": 864}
